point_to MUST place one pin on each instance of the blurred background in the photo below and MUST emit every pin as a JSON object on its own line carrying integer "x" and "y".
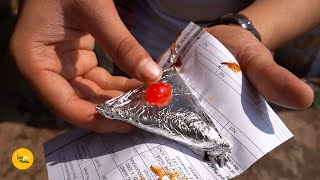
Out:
{"x": 25, "y": 122}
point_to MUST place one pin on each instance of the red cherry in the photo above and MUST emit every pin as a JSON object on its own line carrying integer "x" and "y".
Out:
{"x": 158, "y": 94}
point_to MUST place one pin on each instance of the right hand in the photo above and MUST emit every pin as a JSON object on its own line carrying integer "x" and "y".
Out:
{"x": 53, "y": 47}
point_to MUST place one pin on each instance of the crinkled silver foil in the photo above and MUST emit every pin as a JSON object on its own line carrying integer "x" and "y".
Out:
{"x": 182, "y": 120}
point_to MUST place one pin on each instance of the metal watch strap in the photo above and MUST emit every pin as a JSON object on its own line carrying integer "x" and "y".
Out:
{"x": 239, "y": 19}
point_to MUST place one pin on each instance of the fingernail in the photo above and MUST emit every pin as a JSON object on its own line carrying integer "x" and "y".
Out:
{"x": 150, "y": 71}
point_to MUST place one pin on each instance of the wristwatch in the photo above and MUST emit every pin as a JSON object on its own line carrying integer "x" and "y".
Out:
{"x": 238, "y": 19}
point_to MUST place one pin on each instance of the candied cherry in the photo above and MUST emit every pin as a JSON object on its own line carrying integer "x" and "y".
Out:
{"x": 159, "y": 94}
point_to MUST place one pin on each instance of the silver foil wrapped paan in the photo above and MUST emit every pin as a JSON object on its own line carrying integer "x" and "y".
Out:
{"x": 182, "y": 119}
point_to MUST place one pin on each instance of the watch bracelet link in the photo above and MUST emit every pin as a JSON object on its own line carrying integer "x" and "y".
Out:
{"x": 238, "y": 19}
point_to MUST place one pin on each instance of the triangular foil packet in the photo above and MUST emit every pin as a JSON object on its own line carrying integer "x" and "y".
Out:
{"x": 182, "y": 119}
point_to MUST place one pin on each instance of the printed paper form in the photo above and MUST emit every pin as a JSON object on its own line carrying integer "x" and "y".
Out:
{"x": 240, "y": 114}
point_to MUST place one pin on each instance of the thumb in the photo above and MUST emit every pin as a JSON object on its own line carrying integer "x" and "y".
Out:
{"x": 101, "y": 19}
{"x": 274, "y": 82}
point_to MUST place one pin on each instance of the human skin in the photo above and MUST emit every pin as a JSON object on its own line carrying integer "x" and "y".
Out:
{"x": 52, "y": 45}
{"x": 53, "y": 42}
{"x": 277, "y": 21}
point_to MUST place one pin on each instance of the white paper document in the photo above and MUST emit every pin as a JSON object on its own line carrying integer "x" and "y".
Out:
{"x": 240, "y": 114}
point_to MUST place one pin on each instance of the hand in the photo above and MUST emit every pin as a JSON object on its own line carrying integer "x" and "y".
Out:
{"x": 53, "y": 47}
{"x": 274, "y": 82}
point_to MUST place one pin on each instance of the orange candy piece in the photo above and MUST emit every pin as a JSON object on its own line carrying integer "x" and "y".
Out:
{"x": 159, "y": 94}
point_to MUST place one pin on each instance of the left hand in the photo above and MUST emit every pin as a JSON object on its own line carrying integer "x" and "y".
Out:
{"x": 274, "y": 82}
